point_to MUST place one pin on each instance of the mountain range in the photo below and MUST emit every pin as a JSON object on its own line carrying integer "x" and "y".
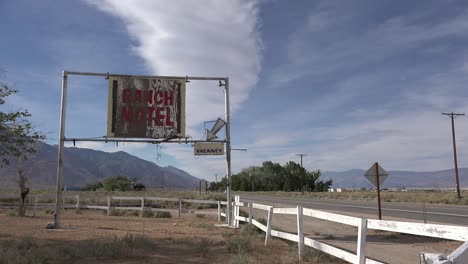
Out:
{"x": 397, "y": 179}
{"x": 83, "y": 166}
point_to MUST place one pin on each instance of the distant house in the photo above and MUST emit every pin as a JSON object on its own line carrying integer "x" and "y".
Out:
{"x": 139, "y": 187}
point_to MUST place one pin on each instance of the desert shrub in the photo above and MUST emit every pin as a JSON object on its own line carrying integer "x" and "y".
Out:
{"x": 205, "y": 225}
{"x": 203, "y": 247}
{"x": 200, "y": 215}
{"x": 161, "y": 214}
{"x": 239, "y": 258}
{"x": 49, "y": 211}
{"x": 317, "y": 256}
{"x": 117, "y": 212}
{"x": 12, "y": 213}
{"x": 132, "y": 213}
{"x": 148, "y": 213}
{"x": 249, "y": 230}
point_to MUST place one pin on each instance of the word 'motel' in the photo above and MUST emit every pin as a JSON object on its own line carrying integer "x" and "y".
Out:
{"x": 135, "y": 107}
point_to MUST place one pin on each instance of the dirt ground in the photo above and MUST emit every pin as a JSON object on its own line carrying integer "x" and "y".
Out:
{"x": 182, "y": 240}
{"x": 177, "y": 240}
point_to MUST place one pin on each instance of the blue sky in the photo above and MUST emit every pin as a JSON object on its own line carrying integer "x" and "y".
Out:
{"x": 346, "y": 82}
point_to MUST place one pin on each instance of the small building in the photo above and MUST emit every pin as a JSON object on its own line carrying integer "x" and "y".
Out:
{"x": 139, "y": 187}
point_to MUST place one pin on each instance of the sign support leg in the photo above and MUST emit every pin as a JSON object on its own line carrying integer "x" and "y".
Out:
{"x": 58, "y": 199}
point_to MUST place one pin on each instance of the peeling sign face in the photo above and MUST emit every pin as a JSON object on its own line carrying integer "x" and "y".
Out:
{"x": 146, "y": 108}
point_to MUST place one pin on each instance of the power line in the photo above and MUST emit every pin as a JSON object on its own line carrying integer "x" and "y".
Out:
{"x": 302, "y": 174}
{"x": 452, "y": 115}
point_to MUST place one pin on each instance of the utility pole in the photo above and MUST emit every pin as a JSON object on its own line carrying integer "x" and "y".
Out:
{"x": 216, "y": 176}
{"x": 302, "y": 174}
{"x": 452, "y": 115}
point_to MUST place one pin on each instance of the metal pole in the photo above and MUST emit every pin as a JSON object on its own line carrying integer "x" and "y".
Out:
{"x": 455, "y": 156}
{"x": 302, "y": 174}
{"x": 228, "y": 151}
{"x": 378, "y": 189}
{"x": 63, "y": 107}
{"x": 302, "y": 179}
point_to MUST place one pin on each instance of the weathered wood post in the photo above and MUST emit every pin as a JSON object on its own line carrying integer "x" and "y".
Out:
{"x": 142, "y": 206}
{"x": 300, "y": 232}
{"x": 250, "y": 213}
{"x": 236, "y": 209}
{"x": 77, "y": 202}
{"x": 35, "y": 205}
{"x": 361, "y": 243}
{"x": 269, "y": 220}
{"x": 180, "y": 207}
{"x": 219, "y": 211}
{"x": 108, "y": 205}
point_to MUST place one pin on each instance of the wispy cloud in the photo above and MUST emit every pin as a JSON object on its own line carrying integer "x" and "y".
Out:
{"x": 216, "y": 38}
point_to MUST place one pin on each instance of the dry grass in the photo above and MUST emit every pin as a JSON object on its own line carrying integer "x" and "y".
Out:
{"x": 29, "y": 250}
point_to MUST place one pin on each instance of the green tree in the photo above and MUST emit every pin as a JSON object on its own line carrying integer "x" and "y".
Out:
{"x": 92, "y": 186}
{"x": 117, "y": 183}
{"x": 17, "y": 140}
{"x": 274, "y": 177}
{"x": 17, "y": 137}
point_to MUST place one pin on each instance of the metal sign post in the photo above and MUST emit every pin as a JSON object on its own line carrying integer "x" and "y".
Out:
{"x": 62, "y": 138}
{"x": 378, "y": 189}
{"x": 377, "y": 175}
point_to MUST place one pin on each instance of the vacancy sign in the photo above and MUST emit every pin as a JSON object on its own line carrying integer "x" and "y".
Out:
{"x": 208, "y": 148}
{"x": 371, "y": 174}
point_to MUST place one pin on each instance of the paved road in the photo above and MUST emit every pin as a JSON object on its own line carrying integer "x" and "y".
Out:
{"x": 449, "y": 214}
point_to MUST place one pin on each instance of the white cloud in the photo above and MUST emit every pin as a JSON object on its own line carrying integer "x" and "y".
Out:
{"x": 179, "y": 38}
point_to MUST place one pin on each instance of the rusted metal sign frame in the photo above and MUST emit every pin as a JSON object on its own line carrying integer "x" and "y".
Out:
{"x": 62, "y": 138}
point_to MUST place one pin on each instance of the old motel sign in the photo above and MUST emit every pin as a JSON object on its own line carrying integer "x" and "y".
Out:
{"x": 146, "y": 108}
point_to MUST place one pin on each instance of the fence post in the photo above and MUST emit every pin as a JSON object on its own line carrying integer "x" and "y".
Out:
{"x": 237, "y": 207}
{"x": 180, "y": 206}
{"x": 219, "y": 211}
{"x": 108, "y": 205}
{"x": 250, "y": 213}
{"x": 361, "y": 243}
{"x": 300, "y": 232}
{"x": 142, "y": 206}
{"x": 35, "y": 205}
{"x": 77, "y": 201}
{"x": 268, "y": 231}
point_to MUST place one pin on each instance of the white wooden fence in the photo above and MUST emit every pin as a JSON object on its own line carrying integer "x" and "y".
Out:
{"x": 458, "y": 233}
{"x": 75, "y": 202}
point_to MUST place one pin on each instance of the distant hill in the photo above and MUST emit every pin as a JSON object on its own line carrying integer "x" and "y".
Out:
{"x": 438, "y": 179}
{"x": 82, "y": 166}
